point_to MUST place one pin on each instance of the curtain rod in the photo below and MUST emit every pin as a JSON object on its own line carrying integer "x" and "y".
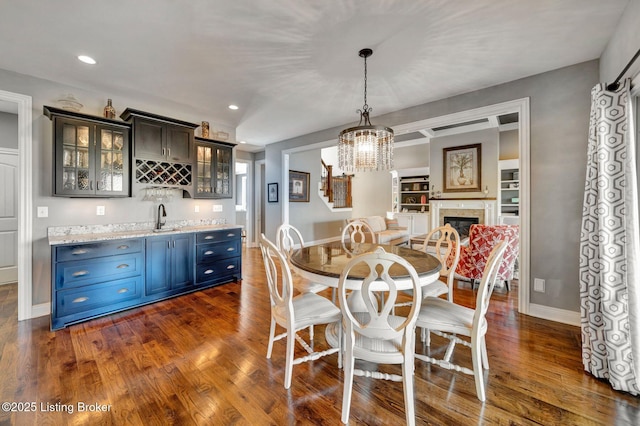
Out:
{"x": 616, "y": 84}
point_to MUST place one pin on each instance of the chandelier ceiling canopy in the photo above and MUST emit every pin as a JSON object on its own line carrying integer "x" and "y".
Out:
{"x": 365, "y": 147}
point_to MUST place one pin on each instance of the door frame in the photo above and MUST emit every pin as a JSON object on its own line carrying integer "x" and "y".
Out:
{"x": 25, "y": 201}
{"x": 258, "y": 191}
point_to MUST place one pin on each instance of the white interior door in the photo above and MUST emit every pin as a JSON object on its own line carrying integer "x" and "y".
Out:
{"x": 8, "y": 216}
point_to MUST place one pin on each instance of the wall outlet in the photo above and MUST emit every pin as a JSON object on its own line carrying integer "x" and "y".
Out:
{"x": 43, "y": 211}
{"x": 196, "y": 209}
{"x": 538, "y": 285}
{"x": 217, "y": 207}
{"x": 100, "y": 210}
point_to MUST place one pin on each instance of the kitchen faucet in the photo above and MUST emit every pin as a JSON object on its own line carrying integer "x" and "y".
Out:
{"x": 161, "y": 213}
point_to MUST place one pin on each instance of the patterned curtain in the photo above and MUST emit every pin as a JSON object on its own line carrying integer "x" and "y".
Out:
{"x": 609, "y": 243}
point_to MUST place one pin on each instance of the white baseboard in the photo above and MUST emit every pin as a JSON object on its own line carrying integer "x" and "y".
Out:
{"x": 555, "y": 314}
{"x": 40, "y": 310}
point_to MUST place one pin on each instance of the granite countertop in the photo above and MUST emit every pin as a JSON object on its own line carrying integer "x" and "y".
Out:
{"x": 88, "y": 233}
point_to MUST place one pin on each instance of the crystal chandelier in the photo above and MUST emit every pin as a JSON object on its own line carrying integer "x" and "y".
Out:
{"x": 365, "y": 147}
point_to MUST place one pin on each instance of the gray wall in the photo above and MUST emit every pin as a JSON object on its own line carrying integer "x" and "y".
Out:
{"x": 560, "y": 103}
{"x": 489, "y": 156}
{"x": 8, "y": 130}
{"x": 70, "y": 211}
{"x": 314, "y": 220}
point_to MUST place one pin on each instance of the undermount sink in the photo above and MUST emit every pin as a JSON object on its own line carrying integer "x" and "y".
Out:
{"x": 164, "y": 230}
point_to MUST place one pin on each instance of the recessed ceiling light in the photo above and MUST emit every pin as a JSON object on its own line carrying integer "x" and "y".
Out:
{"x": 232, "y": 106}
{"x": 87, "y": 59}
{"x": 243, "y": 141}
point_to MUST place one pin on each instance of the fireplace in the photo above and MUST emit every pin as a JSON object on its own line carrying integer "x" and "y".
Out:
{"x": 461, "y": 224}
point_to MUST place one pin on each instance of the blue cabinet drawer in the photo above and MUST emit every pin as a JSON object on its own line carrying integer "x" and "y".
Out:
{"x": 98, "y": 298}
{"x": 218, "y": 270}
{"x": 78, "y": 273}
{"x": 211, "y": 252}
{"x": 219, "y": 235}
{"x": 92, "y": 250}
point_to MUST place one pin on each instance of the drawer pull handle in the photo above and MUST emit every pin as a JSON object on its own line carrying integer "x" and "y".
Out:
{"x": 80, "y": 251}
{"x": 123, "y": 290}
{"x": 231, "y": 267}
{"x": 209, "y": 237}
{"x": 208, "y": 271}
{"x": 80, "y": 300}
{"x": 122, "y": 266}
{"x": 231, "y": 249}
{"x": 79, "y": 273}
{"x": 123, "y": 247}
{"x": 231, "y": 234}
{"x": 208, "y": 252}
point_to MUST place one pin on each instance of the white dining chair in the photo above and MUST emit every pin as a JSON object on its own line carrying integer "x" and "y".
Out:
{"x": 355, "y": 233}
{"x": 450, "y": 320}
{"x": 376, "y": 335}
{"x": 294, "y": 313}
{"x": 288, "y": 239}
{"x": 442, "y": 242}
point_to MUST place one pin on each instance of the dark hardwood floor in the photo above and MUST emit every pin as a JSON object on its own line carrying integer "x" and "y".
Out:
{"x": 200, "y": 359}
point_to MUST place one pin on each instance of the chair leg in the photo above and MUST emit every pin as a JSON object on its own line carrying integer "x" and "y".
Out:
{"x": 476, "y": 354}
{"x": 288, "y": 369}
{"x": 407, "y": 384}
{"x": 485, "y": 357}
{"x": 349, "y": 364}
{"x": 311, "y": 337}
{"x": 340, "y": 344}
{"x": 506, "y": 284}
{"x": 272, "y": 333}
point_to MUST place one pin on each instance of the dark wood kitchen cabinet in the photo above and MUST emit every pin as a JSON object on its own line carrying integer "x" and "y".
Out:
{"x": 214, "y": 169}
{"x": 91, "y": 155}
{"x": 161, "y": 138}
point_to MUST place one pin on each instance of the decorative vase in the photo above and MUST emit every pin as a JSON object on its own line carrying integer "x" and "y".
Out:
{"x": 205, "y": 129}
{"x": 109, "y": 110}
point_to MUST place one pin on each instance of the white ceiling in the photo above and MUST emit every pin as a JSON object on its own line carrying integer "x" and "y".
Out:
{"x": 292, "y": 65}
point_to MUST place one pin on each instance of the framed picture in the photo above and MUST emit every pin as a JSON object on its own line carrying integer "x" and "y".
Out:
{"x": 298, "y": 186}
{"x": 462, "y": 168}
{"x": 272, "y": 192}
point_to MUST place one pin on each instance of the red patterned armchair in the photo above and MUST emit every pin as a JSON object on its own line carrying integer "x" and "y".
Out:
{"x": 482, "y": 239}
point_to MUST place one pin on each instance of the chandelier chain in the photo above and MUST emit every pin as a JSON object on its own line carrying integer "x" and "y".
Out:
{"x": 365, "y": 106}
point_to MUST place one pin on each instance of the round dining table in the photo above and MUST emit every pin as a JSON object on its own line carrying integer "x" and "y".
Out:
{"x": 323, "y": 263}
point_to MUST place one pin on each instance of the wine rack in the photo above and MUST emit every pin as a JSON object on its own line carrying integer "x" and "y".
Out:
{"x": 163, "y": 173}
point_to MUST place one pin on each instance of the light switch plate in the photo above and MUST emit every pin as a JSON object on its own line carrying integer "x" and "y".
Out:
{"x": 217, "y": 207}
{"x": 196, "y": 209}
{"x": 100, "y": 210}
{"x": 43, "y": 211}
{"x": 538, "y": 285}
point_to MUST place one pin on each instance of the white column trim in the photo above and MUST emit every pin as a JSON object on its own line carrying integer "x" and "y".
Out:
{"x": 25, "y": 202}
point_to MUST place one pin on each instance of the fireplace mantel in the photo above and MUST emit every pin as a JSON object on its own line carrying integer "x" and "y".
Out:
{"x": 484, "y": 208}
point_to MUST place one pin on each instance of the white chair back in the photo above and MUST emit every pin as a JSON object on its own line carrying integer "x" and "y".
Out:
{"x": 376, "y": 324}
{"x": 279, "y": 279}
{"x": 488, "y": 283}
{"x": 287, "y": 238}
{"x": 446, "y": 248}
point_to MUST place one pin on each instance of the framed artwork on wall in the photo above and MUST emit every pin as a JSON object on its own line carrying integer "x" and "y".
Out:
{"x": 299, "y": 186}
{"x": 462, "y": 168}
{"x": 272, "y": 192}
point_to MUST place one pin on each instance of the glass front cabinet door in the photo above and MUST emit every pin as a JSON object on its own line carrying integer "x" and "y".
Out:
{"x": 214, "y": 169}
{"x": 91, "y": 156}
